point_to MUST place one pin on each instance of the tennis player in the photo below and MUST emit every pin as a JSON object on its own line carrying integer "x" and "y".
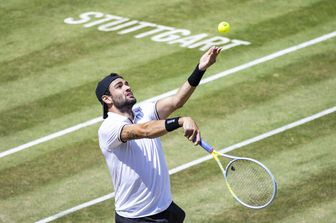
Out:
{"x": 129, "y": 140}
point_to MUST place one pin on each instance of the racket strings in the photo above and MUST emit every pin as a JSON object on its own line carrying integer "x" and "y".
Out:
{"x": 250, "y": 182}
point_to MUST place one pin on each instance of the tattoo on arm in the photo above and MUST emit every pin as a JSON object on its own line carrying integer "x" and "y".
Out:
{"x": 151, "y": 129}
{"x": 131, "y": 134}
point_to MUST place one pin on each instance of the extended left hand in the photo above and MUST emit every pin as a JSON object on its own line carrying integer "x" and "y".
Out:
{"x": 209, "y": 58}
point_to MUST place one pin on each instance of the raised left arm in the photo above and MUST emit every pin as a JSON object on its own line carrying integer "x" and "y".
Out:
{"x": 168, "y": 105}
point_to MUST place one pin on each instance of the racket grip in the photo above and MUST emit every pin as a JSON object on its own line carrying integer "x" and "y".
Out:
{"x": 206, "y": 146}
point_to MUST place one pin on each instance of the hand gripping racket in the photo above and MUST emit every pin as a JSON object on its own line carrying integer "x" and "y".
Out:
{"x": 248, "y": 180}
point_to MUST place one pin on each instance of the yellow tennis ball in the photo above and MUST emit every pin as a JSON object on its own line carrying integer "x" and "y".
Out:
{"x": 223, "y": 27}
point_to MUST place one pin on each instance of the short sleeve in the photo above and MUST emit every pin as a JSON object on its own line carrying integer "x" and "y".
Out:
{"x": 109, "y": 134}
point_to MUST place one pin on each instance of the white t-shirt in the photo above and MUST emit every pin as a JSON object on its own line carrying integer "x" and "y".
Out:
{"x": 138, "y": 168}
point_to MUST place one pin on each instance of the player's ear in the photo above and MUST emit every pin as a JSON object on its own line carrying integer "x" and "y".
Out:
{"x": 107, "y": 99}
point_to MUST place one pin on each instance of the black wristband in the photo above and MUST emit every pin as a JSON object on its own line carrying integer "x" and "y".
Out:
{"x": 171, "y": 124}
{"x": 196, "y": 76}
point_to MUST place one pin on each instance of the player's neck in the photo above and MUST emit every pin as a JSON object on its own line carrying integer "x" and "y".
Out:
{"x": 126, "y": 111}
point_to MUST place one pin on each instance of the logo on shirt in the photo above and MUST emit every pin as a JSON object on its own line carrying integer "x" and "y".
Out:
{"x": 138, "y": 114}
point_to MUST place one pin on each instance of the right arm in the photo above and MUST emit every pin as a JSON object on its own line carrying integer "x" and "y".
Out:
{"x": 157, "y": 128}
{"x": 151, "y": 129}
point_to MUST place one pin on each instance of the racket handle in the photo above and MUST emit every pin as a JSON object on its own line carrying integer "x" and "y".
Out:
{"x": 206, "y": 146}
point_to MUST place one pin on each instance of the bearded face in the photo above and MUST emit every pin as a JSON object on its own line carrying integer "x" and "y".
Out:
{"x": 121, "y": 102}
{"x": 121, "y": 94}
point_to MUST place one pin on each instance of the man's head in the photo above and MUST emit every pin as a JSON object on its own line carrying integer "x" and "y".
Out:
{"x": 113, "y": 90}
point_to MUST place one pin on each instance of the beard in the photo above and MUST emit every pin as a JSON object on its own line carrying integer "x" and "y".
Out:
{"x": 124, "y": 104}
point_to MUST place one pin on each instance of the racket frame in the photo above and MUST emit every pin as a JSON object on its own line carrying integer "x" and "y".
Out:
{"x": 233, "y": 159}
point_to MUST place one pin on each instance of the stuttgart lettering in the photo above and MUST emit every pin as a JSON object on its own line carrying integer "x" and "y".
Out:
{"x": 158, "y": 33}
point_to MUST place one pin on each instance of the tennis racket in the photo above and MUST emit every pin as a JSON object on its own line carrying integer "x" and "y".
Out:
{"x": 248, "y": 180}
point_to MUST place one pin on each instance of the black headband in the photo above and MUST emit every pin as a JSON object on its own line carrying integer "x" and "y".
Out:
{"x": 102, "y": 87}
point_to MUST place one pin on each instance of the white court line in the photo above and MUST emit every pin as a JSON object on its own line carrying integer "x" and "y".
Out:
{"x": 200, "y": 160}
{"x": 204, "y": 81}
{"x": 76, "y": 208}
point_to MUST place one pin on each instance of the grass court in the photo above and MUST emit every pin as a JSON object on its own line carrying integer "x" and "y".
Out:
{"x": 49, "y": 71}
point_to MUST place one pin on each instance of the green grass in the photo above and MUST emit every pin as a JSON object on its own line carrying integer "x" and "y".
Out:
{"x": 49, "y": 70}
{"x": 307, "y": 161}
